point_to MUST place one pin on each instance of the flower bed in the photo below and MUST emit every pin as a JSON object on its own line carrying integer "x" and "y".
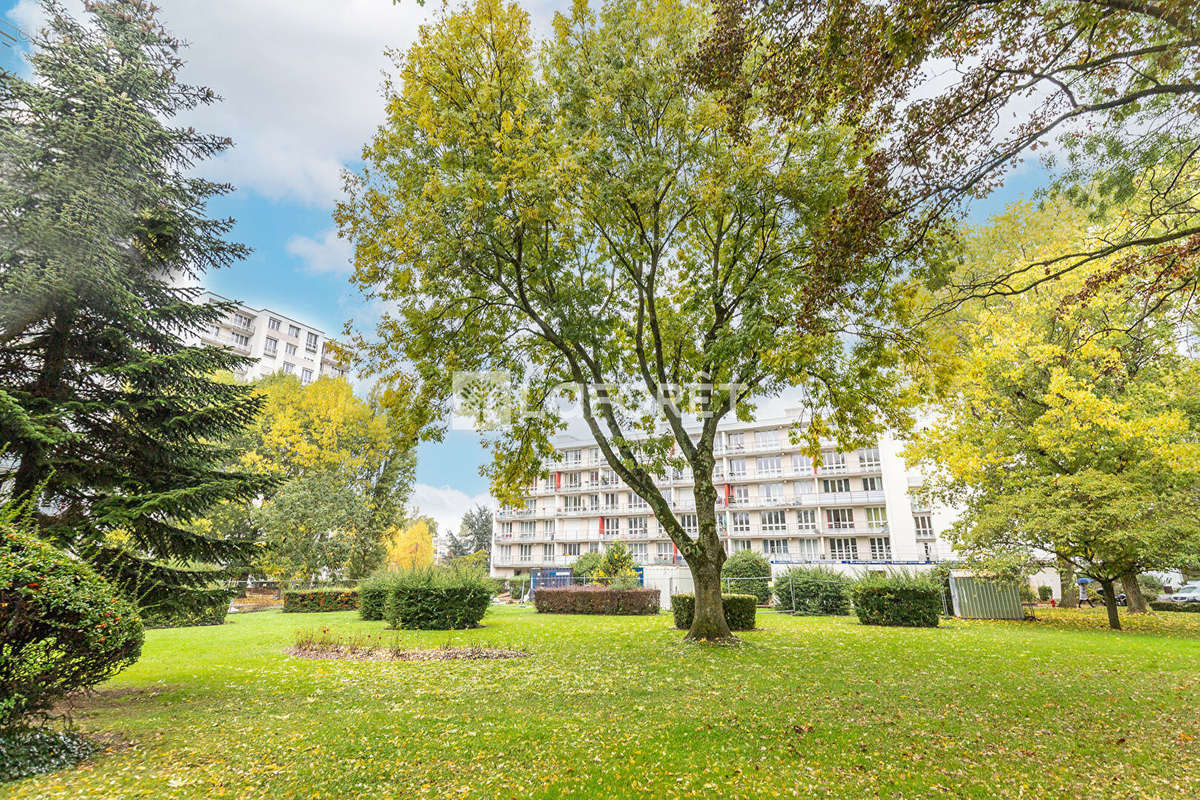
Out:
{"x": 594, "y": 599}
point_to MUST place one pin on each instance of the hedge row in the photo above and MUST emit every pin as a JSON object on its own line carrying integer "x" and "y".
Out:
{"x": 372, "y": 595}
{"x": 1163, "y": 605}
{"x": 329, "y": 599}
{"x": 194, "y": 609}
{"x": 592, "y": 599}
{"x": 740, "y": 610}
{"x": 914, "y": 602}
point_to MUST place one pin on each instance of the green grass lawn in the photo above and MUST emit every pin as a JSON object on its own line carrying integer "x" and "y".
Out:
{"x": 611, "y": 707}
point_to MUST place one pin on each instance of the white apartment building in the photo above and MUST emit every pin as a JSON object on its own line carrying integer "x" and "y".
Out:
{"x": 277, "y": 342}
{"x": 859, "y": 507}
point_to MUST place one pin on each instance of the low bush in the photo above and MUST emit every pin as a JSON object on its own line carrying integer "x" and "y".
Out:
{"x": 587, "y": 565}
{"x": 37, "y": 751}
{"x": 912, "y": 601}
{"x": 740, "y": 610}
{"x": 372, "y": 595}
{"x": 594, "y": 599}
{"x": 1164, "y": 605}
{"x": 518, "y": 585}
{"x": 747, "y": 572}
{"x": 813, "y": 591}
{"x": 434, "y": 599}
{"x": 327, "y": 599}
{"x": 1045, "y": 593}
{"x": 65, "y": 627}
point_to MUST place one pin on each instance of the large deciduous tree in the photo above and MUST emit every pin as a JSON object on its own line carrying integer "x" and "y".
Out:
{"x": 474, "y": 533}
{"x": 110, "y": 424}
{"x": 1071, "y": 431}
{"x": 577, "y": 213}
{"x": 969, "y": 88}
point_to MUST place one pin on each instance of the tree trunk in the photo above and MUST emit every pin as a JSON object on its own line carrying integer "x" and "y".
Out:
{"x": 1068, "y": 591}
{"x": 1136, "y": 601}
{"x": 1110, "y": 602}
{"x": 708, "y": 622}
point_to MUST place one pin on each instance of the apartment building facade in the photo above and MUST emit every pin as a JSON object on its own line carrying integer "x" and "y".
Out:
{"x": 855, "y": 508}
{"x": 276, "y": 342}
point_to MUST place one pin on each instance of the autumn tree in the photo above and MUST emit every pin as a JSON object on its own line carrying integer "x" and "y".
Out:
{"x": 345, "y": 468}
{"x": 575, "y": 214}
{"x": 410, "y": 546}
{"x": 1069, "y": 432}
{"x": 967, "y": 89}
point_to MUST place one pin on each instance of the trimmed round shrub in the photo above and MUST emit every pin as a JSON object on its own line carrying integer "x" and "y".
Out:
{"x": 372, "y": 594}
{"x": 65, "y": 627}
{"x": 815, "y": 591}
{"x": 1045, "y": 593}
{"x": 747, "y": 572}
{"x": 911, "y": 601}
{"x": 740, "y": 610}
{"x": 592, "y": 599}
{"x": 325, "y": 599}
{"x": 431, "y": 599}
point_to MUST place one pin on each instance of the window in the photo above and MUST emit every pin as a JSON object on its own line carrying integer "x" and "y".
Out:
{"x": 594, "y": 547}
{"x": 528, "y": 528}
{"x": 293, "y": 331}
{"x": 548, "y": 552}
{"x": 571, "y": 549}
{"x": 572, "y": 502}
{"x": 769, "y": 465}
{"x": 873, "y": 484}
{"x": 270, "y": 346}
{"x": 608, "y": 477}
{"x": 741, "y": 495}
{"x": 801, "y": 464}
{"x": 930, "y": 550}
{"x": 665, "y": 554}
{"x": 877, "y": 518}
{"x": 690, "y": 524}
{"x": 808, "y": 549}
{"x": 831, "y": 486}
{"x": 593, "y": 502}
{"x": 806, "y": 519}
{"x": 612, "y": 500}
{"x": 548, "y": 528}
{"x": 290, "y": 349}
{"x": 735, "y": 442}
{"x": 639, "y": 551}
{"x": 741, "y": 522}
{"x": 573, "y": 457}
{"x": 306, "y": 375}
{"x": 506, "y": 530}
{"x": 843, "y": 549}
{"x": 839, "y": 517}
{"x": 766, "y": 439}
{"x": 594, "y": 477}
{"x": 612, "y": 526}
{"x": 242, "y": 321}
{"x": 833, "y": 461}
{"x": 289, "y": 367}
{"x": 737, "y": 467}
{"x": 868, "y": 458}
{"x": 311, "y": 343}
{"x": 881, "y": 548}
{"x": 637, "y": 526}
{"x": 924, "y": 525}
{"x": 636, "y": 500}
{"x": 273, "y": 324}
{"x": 740, "y": 544}
{"x": 574, "y": 480}
{"x": 241, "y": 340}
{"x": 770, "y": 492}
{"x": 775, "y": 547}
{"x": 774, "y": 520}
{"x": 525, "y": 552}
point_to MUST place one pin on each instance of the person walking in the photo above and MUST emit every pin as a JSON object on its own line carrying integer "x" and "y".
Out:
{"x": 1083, "y": 596}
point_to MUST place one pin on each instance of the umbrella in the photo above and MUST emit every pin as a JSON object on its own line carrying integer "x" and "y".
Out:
{"x": 1082, "y": 581}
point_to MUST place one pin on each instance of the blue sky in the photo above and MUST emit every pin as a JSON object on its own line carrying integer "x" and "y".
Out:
{"x": 300, "y": 83}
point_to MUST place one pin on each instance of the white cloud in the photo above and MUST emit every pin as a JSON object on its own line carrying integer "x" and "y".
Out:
{"x": 446, "y": 505}
{"x": 330, "y": 253}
